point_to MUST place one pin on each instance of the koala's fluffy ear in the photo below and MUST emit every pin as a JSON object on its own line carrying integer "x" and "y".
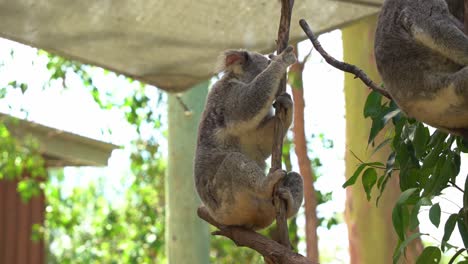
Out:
{"x": 232, "y": 61}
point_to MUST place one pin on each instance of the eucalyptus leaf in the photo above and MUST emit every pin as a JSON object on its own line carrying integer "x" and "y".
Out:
{"x": 372, "y": 106}
{"x": 400, "y": 249}
{"x": 421, "y": 138}
{"x": 369, "y": 178}
{"x": 434, "y": 214}
{"x": 448, "y": 229}
{"x": 430, "y": 255}
{"x": 462, "y": 228}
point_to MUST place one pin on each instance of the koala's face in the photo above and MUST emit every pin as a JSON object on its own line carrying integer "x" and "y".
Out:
{"x": 254, "y": 63}
{"x": 244, "y": 64}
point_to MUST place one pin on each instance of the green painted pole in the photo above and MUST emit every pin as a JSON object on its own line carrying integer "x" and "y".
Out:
{"x": 187, "y": 236}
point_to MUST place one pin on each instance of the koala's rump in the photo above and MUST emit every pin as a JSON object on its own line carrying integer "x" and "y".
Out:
{"x": 445, "y": 109}
{"x": 229, "y": 185}
{"x": 247, "y": 210}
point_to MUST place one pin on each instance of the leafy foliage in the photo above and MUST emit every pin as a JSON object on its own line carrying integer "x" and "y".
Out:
{"x": 19, "y": 159}
{"x": 427, "y": 164}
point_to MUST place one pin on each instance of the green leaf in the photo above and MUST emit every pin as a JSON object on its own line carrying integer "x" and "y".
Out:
{"x": 462, "y": 144}
{"x": 448, "y": 229}
{"x": 430, "y": 255}
{"x": 400, "y": 213}
{"x": 434, "y": 214}
{"x": 381, "y": 145}
{"x": 421, "y": 138}
{"x": 23, "y": 87}
{"x": 399, "y": 250}
{"x": 431, "y": 159}
{"x": 437, "y": 137}
{"x": 373, "y": 105}
{"x": 404, "y": 196}
{"x": 432, "y": 183}
{"x": 356, "y": 174}
{"x": 390, "y": 115}
{"x": 3, "y": 92}
{"x": 414, "y": 221}
{"x": 353, "y": 178}
{"x": 369, "y": 178}
{"x": 13, "y": 84}
{"x": 377, "y": 126}
{"x": 463, "y": 231}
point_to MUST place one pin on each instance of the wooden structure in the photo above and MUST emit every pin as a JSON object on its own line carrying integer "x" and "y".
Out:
{"x": 59, "y": 149}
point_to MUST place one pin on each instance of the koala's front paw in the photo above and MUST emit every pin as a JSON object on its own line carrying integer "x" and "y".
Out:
{"x": 284, "y": 100}
{"x": 288, "y": 56}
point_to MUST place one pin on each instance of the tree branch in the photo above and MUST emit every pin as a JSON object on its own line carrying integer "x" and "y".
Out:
{"x": 465, "y": 17}
{"x": 247, "y": 238}
{"x": 346, "y": 67}
{"x": 280, "y": 113}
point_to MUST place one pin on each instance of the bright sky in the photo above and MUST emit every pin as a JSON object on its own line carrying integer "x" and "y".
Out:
{"x": 74, "y": 110}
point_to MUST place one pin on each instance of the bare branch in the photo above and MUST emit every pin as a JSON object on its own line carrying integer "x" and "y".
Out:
{"x": 242, "y": 237}
{"x": 358, "y": 73}
{"x": 280, "y": 115}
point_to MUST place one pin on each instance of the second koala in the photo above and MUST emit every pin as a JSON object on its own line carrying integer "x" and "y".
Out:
{"x": 422, "y": 55}
{"x": 235, "y": 137}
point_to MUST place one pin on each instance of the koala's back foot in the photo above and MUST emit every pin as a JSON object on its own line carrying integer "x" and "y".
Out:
{"x": 291, "y": 190}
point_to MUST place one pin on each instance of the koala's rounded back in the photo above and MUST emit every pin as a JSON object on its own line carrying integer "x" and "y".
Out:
{"x": 402, "y": 56}
{"x": 421, "y": 53}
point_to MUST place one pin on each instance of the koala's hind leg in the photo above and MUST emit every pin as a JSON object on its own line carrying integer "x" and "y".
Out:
{"x": 449, "y": 105}
{"x": 244, "y": 192}
{"x": 242, "y": 173}
{"x": 291, "y": 190}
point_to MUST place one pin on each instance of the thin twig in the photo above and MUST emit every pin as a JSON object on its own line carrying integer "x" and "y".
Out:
{"x": 454, "y": 185}
{"x": 187, "y": 110}
{"x": 465, "y": 17}
{"x": 459, "y": 252}
{"x": 358, "y": 73}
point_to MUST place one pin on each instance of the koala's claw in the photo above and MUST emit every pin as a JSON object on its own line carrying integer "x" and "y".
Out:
{"x": 284, "y": 100}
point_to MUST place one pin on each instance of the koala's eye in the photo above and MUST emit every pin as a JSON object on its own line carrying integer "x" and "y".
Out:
{"x": 246, "y": 56}
{"x": 269, "y": 61}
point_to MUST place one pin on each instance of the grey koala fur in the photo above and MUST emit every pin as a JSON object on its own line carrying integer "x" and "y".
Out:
{"x": 421, "y": 53}
{"x": 235, "y": 137}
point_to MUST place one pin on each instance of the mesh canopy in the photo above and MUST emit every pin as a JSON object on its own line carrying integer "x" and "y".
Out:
{"x": 172, "y": 44}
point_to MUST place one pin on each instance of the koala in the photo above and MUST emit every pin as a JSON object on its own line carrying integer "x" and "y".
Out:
{"x": 421, "y": 53}
{"x": 235, "y": 136}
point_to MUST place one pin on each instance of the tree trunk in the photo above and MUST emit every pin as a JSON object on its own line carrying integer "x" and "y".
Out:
{"x": 187, "y": 237}
{"x": 305, "y": 167}
{"x": 371, "y": 235}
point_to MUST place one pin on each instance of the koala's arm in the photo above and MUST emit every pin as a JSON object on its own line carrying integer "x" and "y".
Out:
{"x": 442, "y": 35}
{"x": 286, "y": 102}
{"x": 250, "y": 103}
